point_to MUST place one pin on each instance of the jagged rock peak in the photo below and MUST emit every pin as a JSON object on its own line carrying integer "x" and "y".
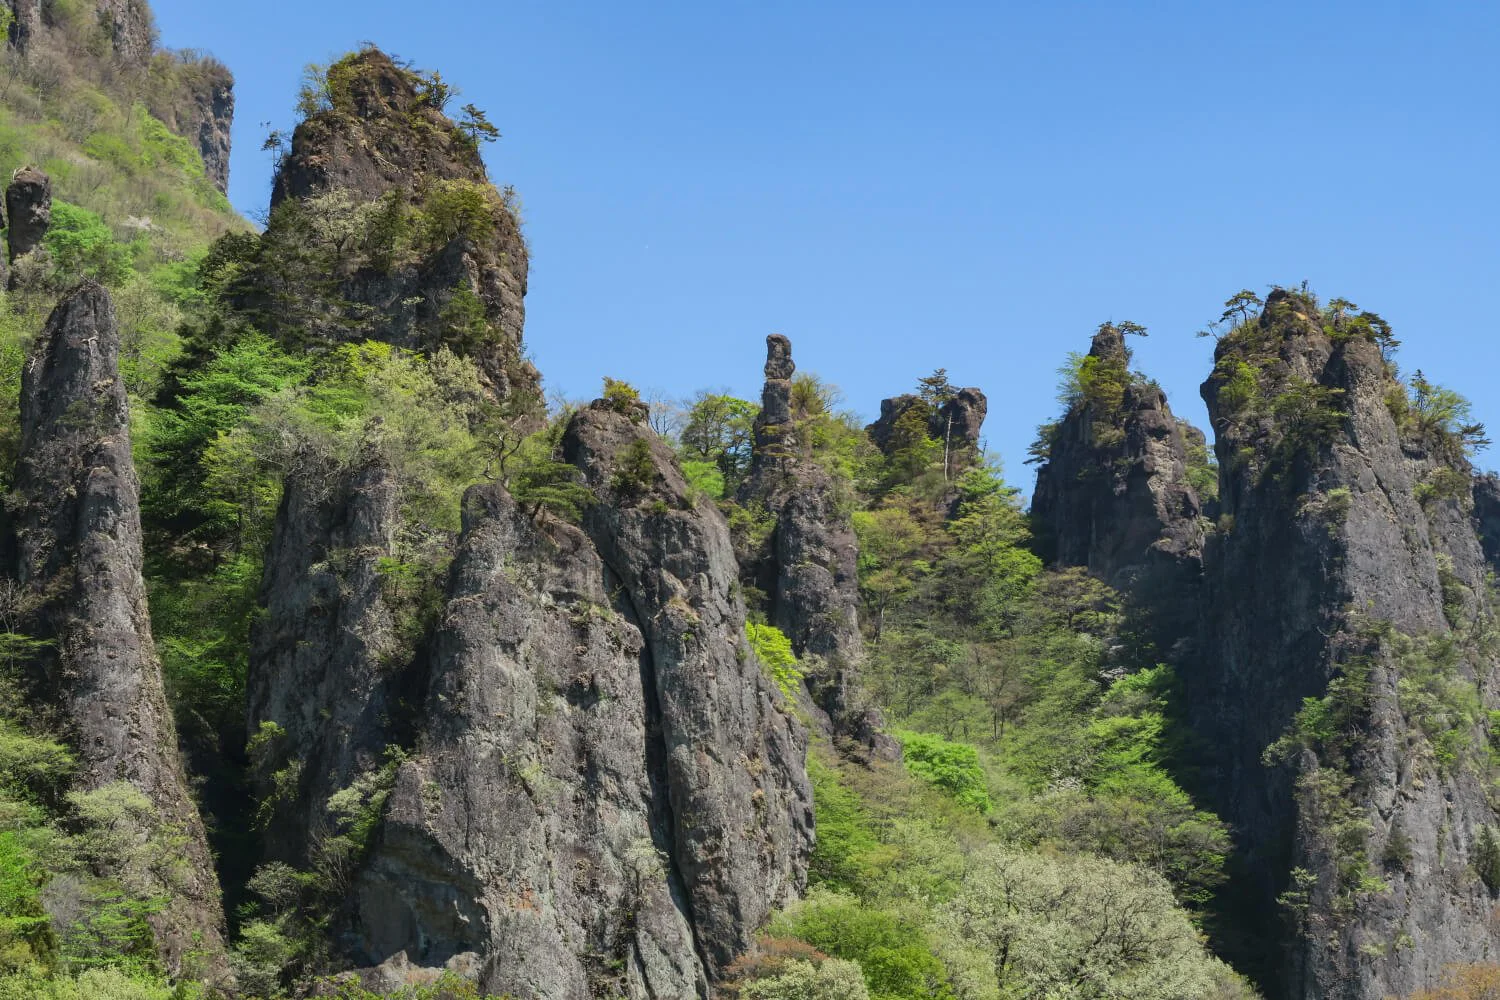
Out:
{"x": 74, "y": 548}
{"x": 380, "y": 131}
{"x": 28, "y": 210}
{"x": 382, "y": 128}
{"x": 807, "y": 569}
{"x": 1113, "y": 492}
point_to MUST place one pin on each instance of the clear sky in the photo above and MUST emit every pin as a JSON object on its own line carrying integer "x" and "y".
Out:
{"x": 899, "y": 186}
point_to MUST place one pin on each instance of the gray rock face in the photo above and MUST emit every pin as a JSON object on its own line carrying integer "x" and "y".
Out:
{"x": 808, "y": 567}
{"x": 130, "y": 27}
{"x": 737, "y": 789}
{"x": 603, "y": 794}
{"x": 325, "y": 663}
{"x": 74, "y": 549}
{"x": 28, "y": 210}
{"x": 1333, "y": 567}
{"x": 1113, "y": 493}
{"x": 531, "y": 836}
{"x": 389, "y": 138}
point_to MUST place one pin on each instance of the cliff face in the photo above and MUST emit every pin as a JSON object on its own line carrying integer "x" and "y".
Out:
{"x": 602, "y": 792}
{"x": 383, "y": 135}
{"x": 1374, "y": 603}
{"x": 1337, "y": 674}
{"x": 74, "y": 551}
{"x": 192, "y": 94}
{"x": 325, "y": 663}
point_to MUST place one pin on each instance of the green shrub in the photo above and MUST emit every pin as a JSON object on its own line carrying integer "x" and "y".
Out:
{"x": 774, "y": 651}
{"x": 953, "y": 767}
{"x": 82, "y": 246}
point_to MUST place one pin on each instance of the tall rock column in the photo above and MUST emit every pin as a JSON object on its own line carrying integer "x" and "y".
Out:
{"x": 808, "y": 567}
{"x": 28, "y": 210}
{"x": 74, "y": 549}
{"x": 1344, "y": 629}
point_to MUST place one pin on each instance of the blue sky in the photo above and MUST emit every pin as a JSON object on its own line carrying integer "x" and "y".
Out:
{"x": 899, "y": 186}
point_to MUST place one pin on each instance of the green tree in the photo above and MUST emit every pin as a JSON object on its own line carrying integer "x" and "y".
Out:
{"x": 720, "y": 429}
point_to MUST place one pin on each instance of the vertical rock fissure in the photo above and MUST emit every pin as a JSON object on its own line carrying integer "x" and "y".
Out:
{"x": 663, "y": 815}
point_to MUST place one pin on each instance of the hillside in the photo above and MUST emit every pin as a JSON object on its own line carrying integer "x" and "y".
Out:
{"x": 336, "y": 662}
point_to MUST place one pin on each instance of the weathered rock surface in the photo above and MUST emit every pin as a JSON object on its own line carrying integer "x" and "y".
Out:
{"x": 808, "y": 567}
{"x": 602, "y": 792}
{"x": 740, "y": 802}
{"x": 28, "y": 211}
{"x": 1113, "y": 493}
{"x": 1333, "y": 567}
{"x": 73, "y": 546}
{"x": 326, "y": 664}
{"x": 531, "y": 837}
{"x": 202, "y": 111}
{"x": 387, "y": 136}
{"x": 959, "y": 421}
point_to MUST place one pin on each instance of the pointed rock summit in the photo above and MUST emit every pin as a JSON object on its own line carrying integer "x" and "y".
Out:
{"x": 74, "y": 551}
{"x": 1112, "y": 493}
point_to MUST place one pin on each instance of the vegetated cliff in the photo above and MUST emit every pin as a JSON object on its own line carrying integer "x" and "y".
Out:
{"x": 416, "y": 247}
{"x": 73, "y": 553}
{"x": 1338, "y": 675}
{"x": 556, "y": 766}
{"x": 808, "y": 566}
{"x": 1376, "y": 604}
{"x": 115, "y": 43}
{"x": 956, "y": 421}
{"x": 602, "y": 790}
{"x": 1113, "y": 492}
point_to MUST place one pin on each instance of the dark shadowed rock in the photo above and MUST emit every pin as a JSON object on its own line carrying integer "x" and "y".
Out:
{"x": 1340, "y": 558}
{"x": 326, "y": 664}
{"x": 74, "y": 550}
{"x": 28, "y": 210}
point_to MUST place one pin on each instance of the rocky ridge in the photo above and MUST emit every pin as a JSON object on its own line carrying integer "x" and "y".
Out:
{"x": 1364, "y": 826}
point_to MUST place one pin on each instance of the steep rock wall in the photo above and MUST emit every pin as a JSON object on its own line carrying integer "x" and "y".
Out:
{"x": 74, "y": 550}
{"x": 1345, "y": 567}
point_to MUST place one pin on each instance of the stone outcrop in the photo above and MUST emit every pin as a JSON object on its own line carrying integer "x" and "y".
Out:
{"x": 1112, "y": 494}
{"x": 601, "y": 793}
{"x": 807, "y": 568}
{"x": 326, "y": 665}
{"x": 385, "y": 135}
{"x": 1376, "y": 569}
{"x": 28, "y": 211}
{"x": 957, "y": 421}
{"x": 201, "y": 110}
{"x": 73, "y": 547}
